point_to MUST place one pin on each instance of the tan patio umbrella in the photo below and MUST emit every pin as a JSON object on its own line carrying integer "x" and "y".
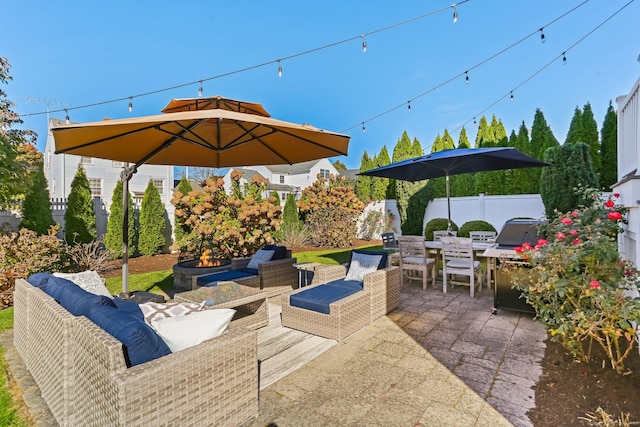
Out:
{"x": 213, "y": 102}
{"x": 214, "y": 138}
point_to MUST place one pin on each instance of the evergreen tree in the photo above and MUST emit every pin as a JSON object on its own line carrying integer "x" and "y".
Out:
{"x": 152, "y": 222}
{"x": 570, "y": 167}
{"x": 113, "y": 238}
{"x": 417, "y": 148}
{"x": 499, "y": 132}
{"x": 339, "y": 165}
{"x": 80, "y": 217}
{"x": 575, "y": 133}
{"x": 437, "y": 145}
{"x": 404, "y": 150}
{"x": 463, "y": 140}
{"x": 276, "y": 198}
{"x": 485, "y": 135}
{"x": 181, "y": 230}
{"x": 608, "y": 174}
{"x": 378, "y": 185}
{"x": 541, "y": 139}
{"x": 447, "y": 140}
{"x": 363, "y": 186}
{"x": 590, "y": 129}
{"x": 384, "y": 160}
{"x": 290, "y": 212}
{"x": 36, "y": 208}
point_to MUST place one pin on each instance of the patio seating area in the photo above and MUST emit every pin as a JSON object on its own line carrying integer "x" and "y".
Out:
{"x": 439, "y": 359}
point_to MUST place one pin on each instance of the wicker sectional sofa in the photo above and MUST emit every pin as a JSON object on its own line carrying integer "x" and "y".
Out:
{"x": 84, "y": 379}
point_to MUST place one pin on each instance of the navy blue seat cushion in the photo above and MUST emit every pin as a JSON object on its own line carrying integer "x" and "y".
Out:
{"x": 251, "y": 271}
{"x": 349, "y": 284}
{"x": 39, "y": 280}
{"x": 129, "y": 307}
{"x": 320, "y": 297}
{"x": 73, "y": 298}
{"x": 280, "y": 252}
{"x": 141, "y": 343}
{"x": 213, "y": 279}
{"x": 383, "y": 260}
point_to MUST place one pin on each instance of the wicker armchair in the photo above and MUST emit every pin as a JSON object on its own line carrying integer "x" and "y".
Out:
{"x": 379, "y": 296}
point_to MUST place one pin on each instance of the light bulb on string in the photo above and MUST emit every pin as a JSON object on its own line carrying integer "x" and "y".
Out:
{"x": 455, "y": 13}
{"x": 466, "y": 78}
{"x": 511, "y": 95}
{"x": 130, "y": 104}
{"x": 66, "y": 119}
{"x": 364, "y": 44}
{"x": 542, "y": 38}
{"x": 564, "y": 58}
{"x": 200, "y": 89}
{"x": 279, "y": 69}
{"x": 363, "y": 128}
{"x": 474, "y": 121}
{"x": 409, "y": 106}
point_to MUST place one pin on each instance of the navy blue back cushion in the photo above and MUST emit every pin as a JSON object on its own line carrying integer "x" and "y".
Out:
{"x": 39, "y": 280}
{"x": 320, "y": 297}
{"x": 383, "y": 261}
{"x": 74, "y": 299}
{"x": 349, "y": 284}
{"x": 214, "y": 278}
{"x": 280, "y": 252}
{"x": 129, "y": 307}
{"x": 141, "y": 343}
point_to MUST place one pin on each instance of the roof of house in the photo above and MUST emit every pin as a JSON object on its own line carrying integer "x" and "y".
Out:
{"x": 350, "y": 173}
{"x": 294, "y": 169}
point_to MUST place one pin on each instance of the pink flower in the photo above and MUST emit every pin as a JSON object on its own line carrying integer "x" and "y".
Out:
{"x": 609, "y": 204}
{"x": 576, "y": 241}
{"x": 616, "y": 195}
{"x": 598, "y": 220}
{"x": 628, "y": 272}
{"x": 526, "y": 246}
{"x": 574, "y": 214}
{"x": 594, "y": 284}
{"x": 573, "y": 232}
{"x": 560, "y": 235}
{"x": 566, "y": 221}
{"x": 518, "y": 249}
{"x": 615, "y": 215}
{"x": 542, "y": 242}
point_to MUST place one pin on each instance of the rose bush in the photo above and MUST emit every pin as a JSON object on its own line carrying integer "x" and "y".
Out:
{"x": 580, "y": 287}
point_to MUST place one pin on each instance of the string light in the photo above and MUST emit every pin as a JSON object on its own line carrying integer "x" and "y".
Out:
{"x": 279, "y": 69}
{"x": 66, "y": 119}
{"x": 364, "y": 44}
{"x": 474, "y": 121}
{"x": 200, "y": 89}
{"x": 363, "y": 128}
{"x": 455, "y": 13}
{"x": 511, "y": 95}
{"x": 542, "y": 38}
{"x": 466, "y": 78}
{"x": 130, "y": 104}
{"x": 409, "y": 106}
{"x": 564, "y": 58}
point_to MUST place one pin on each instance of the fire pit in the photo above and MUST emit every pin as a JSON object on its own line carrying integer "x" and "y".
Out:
{"x": 184, "y": 271}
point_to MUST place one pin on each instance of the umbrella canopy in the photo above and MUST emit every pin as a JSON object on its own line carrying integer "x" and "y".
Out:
{"x": 454, "y": 162}
{"x": 206, "y": 132}
{"x": 207, "y": 138}
{"x": 213, "y": 102}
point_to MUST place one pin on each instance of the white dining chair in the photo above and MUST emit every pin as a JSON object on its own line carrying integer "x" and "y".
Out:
{"x": 414, "y": 260}
{"x": 482, "y": 236}
{"x": 458, "y": 259}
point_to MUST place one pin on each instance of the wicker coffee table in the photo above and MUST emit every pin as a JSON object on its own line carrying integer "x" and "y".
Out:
{"x": 250, "y": 303}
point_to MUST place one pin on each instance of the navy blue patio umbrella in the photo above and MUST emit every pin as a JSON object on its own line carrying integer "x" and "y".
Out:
{"x": 454, "y": 162}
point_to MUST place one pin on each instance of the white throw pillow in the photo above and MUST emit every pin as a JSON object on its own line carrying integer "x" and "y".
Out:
{"x": 260, "y": 257}
{"x": 362, "y": 264}
{"x": 88, "y": 280}
{"x": 186, "y": 331}
{"x": 155, "y": 310}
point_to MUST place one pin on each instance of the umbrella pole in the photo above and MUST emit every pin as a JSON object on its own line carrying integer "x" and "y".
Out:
{"x": 448, "y": 207}
{"x": 125, "y": 176}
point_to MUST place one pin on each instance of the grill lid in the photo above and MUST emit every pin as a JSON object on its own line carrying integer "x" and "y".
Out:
{"x": 515, "y": 232}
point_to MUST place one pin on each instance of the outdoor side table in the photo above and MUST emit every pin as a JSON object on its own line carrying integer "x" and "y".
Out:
{"x": 303, "y": 272}
{"x": 250, "y": 303}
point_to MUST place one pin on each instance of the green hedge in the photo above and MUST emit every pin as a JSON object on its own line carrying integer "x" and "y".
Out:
{"x": 437, "y": 224}
{"x": 476, "y": 225}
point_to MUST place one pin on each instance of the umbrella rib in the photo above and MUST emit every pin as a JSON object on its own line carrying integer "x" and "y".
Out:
{"x": 88, "y": 144}
{"x": 168, "y": 142}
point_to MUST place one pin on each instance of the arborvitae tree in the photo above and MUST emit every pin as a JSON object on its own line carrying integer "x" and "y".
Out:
{"x": 489, "y": 182}
{"x": 384, "y": 160}
{"x": 36, "y": 208}
{"x": 181, "y": 230}
{"x": 463, "y": 140}
{"x": 276, "y": 198}
{"x": 575, "y": 133}
{"x": 363, "y": 186}
{"x": 113, "y": 238}
{"x": 152, "y": 222}
{"x": 590, "y": 129}
{"x": 608, "y": 174}
{"x": 499, "y": 132}
{"x": 438, "y": 144}
{"x": 378, "y": 186}
{"x": 541, "y": 139}
{"x": 290, "y": 212}
{"x": 80, "y": 216}
{"x": 485, "y": 134}
{"x": 447, "y": 140}
{"x": 417, "y": 148}
{"x": 403, "y": 150}
{"x": 570, "y": 167}
{"x": 339, "y": 165}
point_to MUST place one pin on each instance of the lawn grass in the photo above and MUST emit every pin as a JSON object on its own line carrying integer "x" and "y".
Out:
{"x": 331, "y": 256}
{"x": 9, "y": 410}
{"x": 155, "y": 282}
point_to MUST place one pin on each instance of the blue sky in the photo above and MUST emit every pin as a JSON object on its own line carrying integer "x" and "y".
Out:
{"x": 77, "y": 53}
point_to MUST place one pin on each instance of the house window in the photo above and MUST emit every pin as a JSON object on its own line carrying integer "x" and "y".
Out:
{"x": 159, "y": 184}
{"x": 95, "y": 185}
{"x": 87, "y": 160}
{"x": 324, "y": 173}
{"x": 281, "y": 179}
{"x": 117, "y": 164}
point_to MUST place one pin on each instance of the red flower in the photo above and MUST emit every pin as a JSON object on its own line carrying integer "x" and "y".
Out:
{"x": 615, "y": 215}
{"x": 609, "y": 204}
{"x": 574, "y": 214}
{"x": 594, "y": 284}
{"x": 616, "y": 195}
{"x": 542, "y": 242}
{"x": 566, "y": 221}
{"x": 628, "y": 272}
{"x": 518, "y": 249}
{"x": 576, "y": 241}
{"x": 560, "y": 235}
{"x": 526, "y": 246}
